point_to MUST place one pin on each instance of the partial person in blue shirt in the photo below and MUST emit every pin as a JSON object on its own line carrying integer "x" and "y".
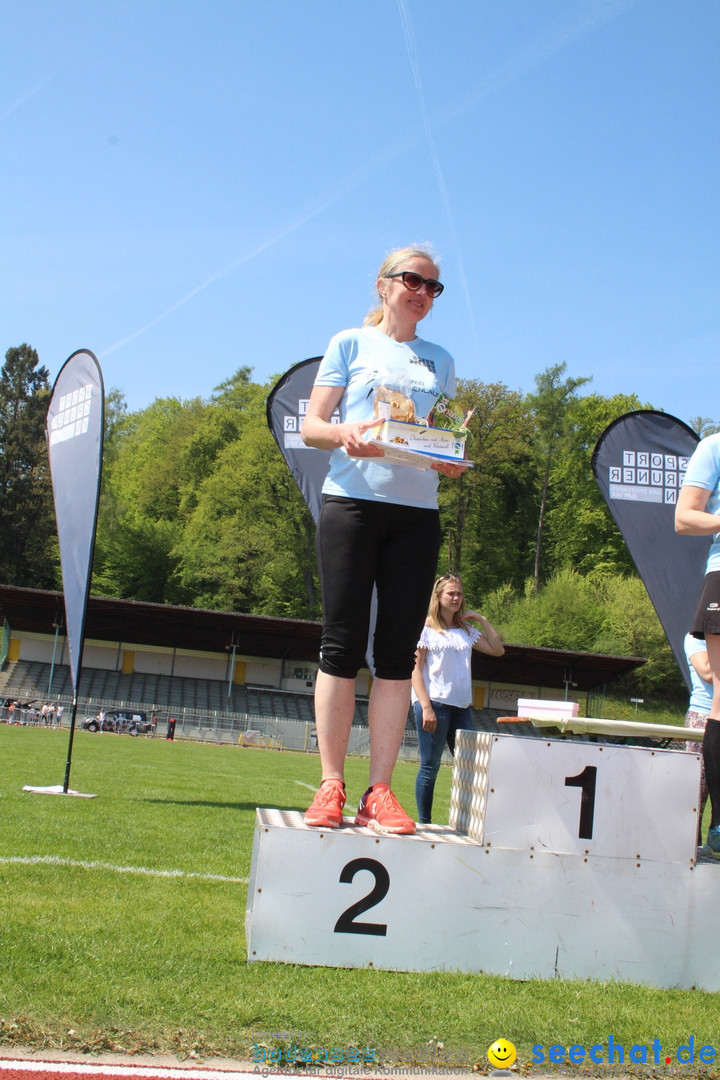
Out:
{"x": 696, "y": 514}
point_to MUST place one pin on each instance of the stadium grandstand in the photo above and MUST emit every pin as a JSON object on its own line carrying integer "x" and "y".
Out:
{"x": 235, "y": 678}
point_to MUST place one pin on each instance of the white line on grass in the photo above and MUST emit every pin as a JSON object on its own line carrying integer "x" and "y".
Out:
{"x": 311, "y": 787}
{"x": 54, "y": 860}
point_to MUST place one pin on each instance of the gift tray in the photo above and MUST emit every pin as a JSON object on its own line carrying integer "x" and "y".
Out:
{"x": 398, "y": 455}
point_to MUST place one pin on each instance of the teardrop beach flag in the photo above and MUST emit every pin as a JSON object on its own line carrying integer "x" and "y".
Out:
{"x": 639, "y": 463}
{"x": 75, "y": 421}
{"x": 286, "y": 407}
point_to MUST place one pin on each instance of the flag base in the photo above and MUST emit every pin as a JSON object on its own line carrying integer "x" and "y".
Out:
{"x": 57, "y": 789}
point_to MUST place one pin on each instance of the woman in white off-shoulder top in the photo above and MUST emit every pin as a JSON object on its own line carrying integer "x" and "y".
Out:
{"x": 442, "y": 680}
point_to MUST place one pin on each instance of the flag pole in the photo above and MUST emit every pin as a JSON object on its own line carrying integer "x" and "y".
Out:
{"x": 66, "y": 781}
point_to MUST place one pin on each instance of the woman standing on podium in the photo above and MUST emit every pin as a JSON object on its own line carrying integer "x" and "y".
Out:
{"x": 696, "y": 514}
{"x": 378, "y": 527}
{"x": 442, "y": 680}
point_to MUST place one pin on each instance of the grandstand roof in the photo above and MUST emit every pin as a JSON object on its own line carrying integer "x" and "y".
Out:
{"x": 136, "y": 623}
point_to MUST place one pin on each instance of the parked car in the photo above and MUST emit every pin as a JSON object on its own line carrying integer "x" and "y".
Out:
{"x": 121, "y": 721}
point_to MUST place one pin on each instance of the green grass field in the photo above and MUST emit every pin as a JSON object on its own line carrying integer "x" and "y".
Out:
{"x": 122, "y": 923}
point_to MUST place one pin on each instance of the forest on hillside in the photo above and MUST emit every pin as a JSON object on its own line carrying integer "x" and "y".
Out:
{"x": 199, "y": 508}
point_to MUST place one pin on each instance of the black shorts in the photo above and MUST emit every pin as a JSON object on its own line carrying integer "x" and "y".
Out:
{"x": 362, "y": 544}
{"x": 707, "y": 613}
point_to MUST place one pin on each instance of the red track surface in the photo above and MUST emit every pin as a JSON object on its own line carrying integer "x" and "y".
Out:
{"x": 25, "y": 1069}
{"x": 29, "y": 1067}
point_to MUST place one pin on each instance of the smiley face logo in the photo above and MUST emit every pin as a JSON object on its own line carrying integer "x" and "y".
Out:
{"x": 502, "y": 1054}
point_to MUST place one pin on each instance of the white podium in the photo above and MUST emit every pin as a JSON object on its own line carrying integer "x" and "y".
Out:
{"x": 562, "y": 858}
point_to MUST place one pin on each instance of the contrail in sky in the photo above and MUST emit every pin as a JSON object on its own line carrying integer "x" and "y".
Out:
{"x": 357, "y": 178}
{"x": 445, "y": 198}
{"x": 31, "y": 92}
{"x": 516, "y": 68}
{"x": 589, "y": 18}
{"x": 43, "y": 82}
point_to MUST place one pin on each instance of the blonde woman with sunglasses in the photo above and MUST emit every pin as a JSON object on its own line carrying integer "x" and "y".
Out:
{"x": 378, "y": 529}
{"x": 442, "y": 680}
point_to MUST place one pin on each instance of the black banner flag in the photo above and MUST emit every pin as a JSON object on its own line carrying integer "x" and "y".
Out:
{"x": 74, "y": 432}
{"x": 286, "y": 408}
{"x": 639, "y": 463}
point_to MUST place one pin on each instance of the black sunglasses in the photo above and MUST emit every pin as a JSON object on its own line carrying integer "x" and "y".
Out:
{"x": 413, "y": 281}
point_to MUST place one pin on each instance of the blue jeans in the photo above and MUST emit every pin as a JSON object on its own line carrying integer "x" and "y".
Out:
{"x": 431, "y": 745}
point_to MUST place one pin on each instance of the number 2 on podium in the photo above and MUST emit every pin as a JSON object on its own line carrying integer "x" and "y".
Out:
{"x": 346, "y": 923}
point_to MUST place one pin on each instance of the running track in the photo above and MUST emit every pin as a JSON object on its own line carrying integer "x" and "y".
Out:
{"x": 22, "y": 1069}
{"x": 25, "y": 1069}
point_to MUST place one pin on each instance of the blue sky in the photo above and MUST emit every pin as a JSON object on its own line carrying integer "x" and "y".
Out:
{"x": 189, "y": 186}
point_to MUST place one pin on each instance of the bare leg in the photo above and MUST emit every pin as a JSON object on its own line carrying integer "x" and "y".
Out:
{"x": 711, "y": 742}
{"x": 334, "y": 712}
{"x": 387, "y": 717}
{"x": 712, "y": 644}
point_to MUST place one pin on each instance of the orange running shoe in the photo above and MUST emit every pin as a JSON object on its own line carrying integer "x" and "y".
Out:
{"x": 327, "y": 806}
{"x": 380, "y": 810}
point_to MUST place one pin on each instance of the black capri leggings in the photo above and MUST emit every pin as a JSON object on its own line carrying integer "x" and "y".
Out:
{"x": 707, "y": 613}
{"x": 361, "y": 543}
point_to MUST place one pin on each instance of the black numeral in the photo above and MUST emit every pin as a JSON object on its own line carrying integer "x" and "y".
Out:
{"x": 346, "y": 923}
{"x": 586, "y": 781}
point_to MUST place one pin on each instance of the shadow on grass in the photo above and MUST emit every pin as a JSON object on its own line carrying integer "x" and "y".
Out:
{"x": 217, "y": 805}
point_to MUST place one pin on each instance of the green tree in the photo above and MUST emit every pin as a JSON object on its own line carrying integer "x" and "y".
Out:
{"x": 116, "y": 425}
{"x": 704, "y": 426}
{"x": 579, "y": 529}
{"x": 147, "y": 471}
{"x": 248, "y": 545}
{"x": 484, "y": 513}
{"x": 28, "y": 540}
{"x": 565, "y": 613}
{"x": 631, "y": 628}
{"x": 198, "y": 507}
{"x": 551, "y": 406}
{"x": 605, "y": 613}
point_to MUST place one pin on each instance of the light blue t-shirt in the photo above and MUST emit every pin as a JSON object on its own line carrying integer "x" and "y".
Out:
{"x": 701, "y": 692}
{"x": 703, "y": 471}
{"x": 360, "y": 360}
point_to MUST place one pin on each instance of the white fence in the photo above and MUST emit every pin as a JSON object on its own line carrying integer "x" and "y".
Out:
{"x": 243, "y": 729}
